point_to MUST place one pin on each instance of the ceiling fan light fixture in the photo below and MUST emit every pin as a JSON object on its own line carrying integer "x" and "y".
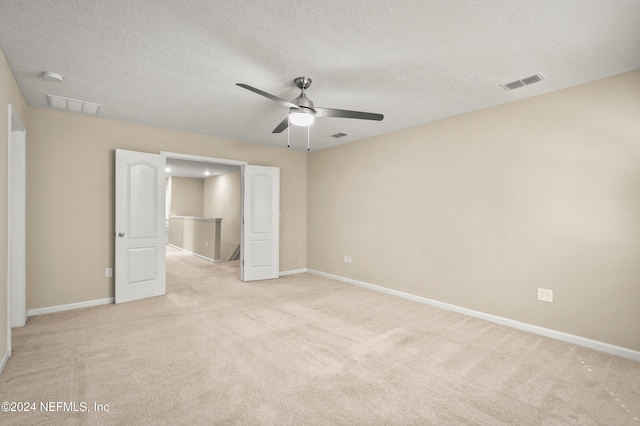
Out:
{"x": 304, "y": 119}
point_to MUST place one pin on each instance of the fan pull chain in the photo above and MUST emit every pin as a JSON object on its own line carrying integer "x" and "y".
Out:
{"x": 308, "y": 146}
{"x": 288, "y": 127}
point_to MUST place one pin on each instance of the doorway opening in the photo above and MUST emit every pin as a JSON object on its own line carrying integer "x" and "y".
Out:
{"x": 140, "y": 213}
{"x": 203, "y": 208}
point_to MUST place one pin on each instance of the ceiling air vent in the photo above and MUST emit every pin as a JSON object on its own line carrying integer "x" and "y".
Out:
{"x": 524, "y": 82}
{"x": 340, "y": 135}
{"x": 73, "y": 105}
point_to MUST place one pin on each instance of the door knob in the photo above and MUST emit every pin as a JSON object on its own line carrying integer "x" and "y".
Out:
{"x": 120, "y": 234}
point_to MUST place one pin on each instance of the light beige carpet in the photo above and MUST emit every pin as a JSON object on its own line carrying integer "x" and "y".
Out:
{"x": 303, "y": 350}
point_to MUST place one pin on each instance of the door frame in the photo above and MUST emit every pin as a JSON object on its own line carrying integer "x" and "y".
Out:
{"x": 179, "y": 156}
{"x": 202, "y": 159}
{"x": 16, "y": 250}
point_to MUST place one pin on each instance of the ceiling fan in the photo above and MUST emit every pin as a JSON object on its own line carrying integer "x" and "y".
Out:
{"x": 302, "y": 112}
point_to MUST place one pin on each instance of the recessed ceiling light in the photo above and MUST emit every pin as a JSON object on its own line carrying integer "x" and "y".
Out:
{"x": 52, "y": 76}
{"x": 207, "y": 173}
{"x": 167, "y": 169}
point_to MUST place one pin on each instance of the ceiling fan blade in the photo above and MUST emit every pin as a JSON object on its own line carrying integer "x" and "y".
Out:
{"x": 343, "y": 113}
{"x": 283, "y": 125}
{"x": 268, "y": 95}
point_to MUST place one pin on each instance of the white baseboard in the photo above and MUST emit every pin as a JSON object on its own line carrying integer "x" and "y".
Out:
{"x": 5, "y": 358}
{"x": 558, "y": 335}
{"x": 208, "y": 259}
{"x": 70, "y": 306}
{"x": 293, "y": 271}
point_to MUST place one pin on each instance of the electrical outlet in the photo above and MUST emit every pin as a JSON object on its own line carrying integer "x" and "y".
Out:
{"x": 108, "y": 273}
{"x": 206, "y": 243}
{"x": 545, "y": 295}
{"x": 346, "y": 259}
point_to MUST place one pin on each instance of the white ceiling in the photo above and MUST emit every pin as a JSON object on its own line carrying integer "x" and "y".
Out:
{"x": 174, "y": 64}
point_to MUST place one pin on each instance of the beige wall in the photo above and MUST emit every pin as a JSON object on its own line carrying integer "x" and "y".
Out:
{"x": 9, "y": 94}
{"x": 187, "y": 196}
{"x": 222, "y": 199}
{"x": 187, "y": 199}
{"x": 196, "y": 236}
{"x": 70, "y": 199}
{"x": 481, "y": 209}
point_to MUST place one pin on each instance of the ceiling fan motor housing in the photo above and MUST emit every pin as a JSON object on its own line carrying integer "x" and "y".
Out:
{"x": 303, "y": 102}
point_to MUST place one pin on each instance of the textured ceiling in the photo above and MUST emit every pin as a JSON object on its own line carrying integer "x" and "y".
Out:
{"x": 174, "y": 64}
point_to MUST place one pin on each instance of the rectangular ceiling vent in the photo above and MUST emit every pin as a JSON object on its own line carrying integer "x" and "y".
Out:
{"x": 524, "y": 82}
{"x": 73, "y": 105}
{"x": 340, "y": 135}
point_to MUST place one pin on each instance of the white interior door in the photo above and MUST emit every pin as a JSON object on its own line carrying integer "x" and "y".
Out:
{"x": 17, "y": 256}
{"x": 140, "y": 226}
{"x": 260, "y": 254}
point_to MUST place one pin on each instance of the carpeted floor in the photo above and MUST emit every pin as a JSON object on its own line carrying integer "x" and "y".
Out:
{"x": 301, "y": 350}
